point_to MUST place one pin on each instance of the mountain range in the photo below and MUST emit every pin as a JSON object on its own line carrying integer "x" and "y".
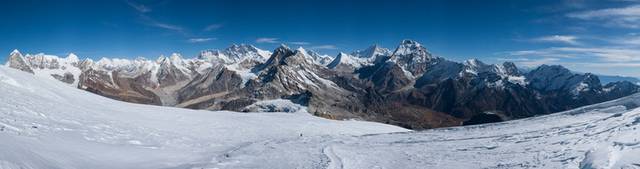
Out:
{"x": 408, "y": 86}
{"x": 47, "y": 124}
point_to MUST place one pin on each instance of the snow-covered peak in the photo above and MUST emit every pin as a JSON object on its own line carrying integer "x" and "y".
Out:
{"x": 506, "y": 71}
{"x": 508, "y": 68}
{"x": 160, "y": 59}
{"x": 412, "y": 57}
{"x": 315, "y": 56}
{"x": 301, "y": 50}
{"x": 17, "y": 61}
{"x": 348, "y": 60}
{"x": 410, "y": 42}
{"x": 283, "y": 47}
{"x": 407, "y": 47}
{"x": 15, "y": 52}
{"x": 550, "y": 71}
{"x": 73, "y": 58}
{"x": 474, "y": 63}
{"x": 176, "y": 59}
{"x": 475, "y": 66}
{"x": 555, "y": 77}
{"x": 244, "y": 50}
{"x": 235, "y": 54}
{"x": 110, "y": 64}
{"x": 372, "y": 52}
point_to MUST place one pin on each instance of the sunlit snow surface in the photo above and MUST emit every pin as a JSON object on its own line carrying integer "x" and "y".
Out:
{"x": 47, "y": 124}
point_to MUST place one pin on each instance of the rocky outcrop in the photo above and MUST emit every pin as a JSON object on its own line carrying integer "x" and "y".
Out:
{"x": 16, "y": 61}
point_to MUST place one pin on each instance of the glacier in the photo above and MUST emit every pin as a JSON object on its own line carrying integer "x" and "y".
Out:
{"x": 48, "y": 124}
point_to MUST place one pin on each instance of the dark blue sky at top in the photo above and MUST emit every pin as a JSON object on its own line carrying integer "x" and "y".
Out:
{"x": 577, "y": 34}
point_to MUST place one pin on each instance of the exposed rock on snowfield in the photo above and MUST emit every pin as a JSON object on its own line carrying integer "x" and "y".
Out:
{"x": 16, "y": 61}
{"x": 409, "y": 87}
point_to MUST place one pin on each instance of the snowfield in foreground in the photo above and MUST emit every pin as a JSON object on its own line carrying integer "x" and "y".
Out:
{"x": 47, "y": 124}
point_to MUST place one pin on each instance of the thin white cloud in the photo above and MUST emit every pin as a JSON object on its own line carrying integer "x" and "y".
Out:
{"x": 626, "y": 17}
{"x": 572, "y": 40}
{"x": 606, "y": 54}
{"x": 139, "y": 7}
{"x": 154, "y": 23}
{"x": 200, "y": 40}
{"x": 267, "y": 40}
{"x": 299, "y": 43}
{"x": 549, "y": 52}
{"x": 597, "y": 54}
{"x": 612, "y": 65}
{"x": 332, "y": 47}
{"x": 167, "y": 26}
{"x": 631, "y": 39}
{"x": 143, "y": 9}
{"x": 213, "y": 27}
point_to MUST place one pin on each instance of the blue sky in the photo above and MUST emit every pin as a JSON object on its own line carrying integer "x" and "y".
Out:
{"x": 587, "y": 36}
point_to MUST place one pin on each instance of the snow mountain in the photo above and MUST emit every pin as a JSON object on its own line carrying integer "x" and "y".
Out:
{"x": 409, "y": 87}
{"x": 235, "y": 54}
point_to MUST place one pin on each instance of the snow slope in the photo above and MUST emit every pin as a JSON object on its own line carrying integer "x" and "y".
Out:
{"x": 601, "y": 136}
{"x": 604, "y": 136}
{"x": 46, "y": 124}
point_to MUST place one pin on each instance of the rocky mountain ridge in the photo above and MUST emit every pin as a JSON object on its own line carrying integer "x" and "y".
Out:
{"x": 408, "y": 87}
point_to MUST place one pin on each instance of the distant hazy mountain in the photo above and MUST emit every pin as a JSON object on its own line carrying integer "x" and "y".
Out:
{"x": 609, "y": 79}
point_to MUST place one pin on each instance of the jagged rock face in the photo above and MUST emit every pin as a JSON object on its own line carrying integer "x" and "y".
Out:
{"x": 467, "y": 96}
{"x": 562, "y": 90}
{"x": 408, "y": 87}
{"x": 16, "y": 61}
{"x": 412, "y": 57}
{"x": 67, "y": 77}
{"x": 439, "y": 71}
{"x": 620, "y": 89}
{"x": 509, "y": 68}
{"x": 169, "y": 73}
{"x": 386, "y": 77}
{"x": 290, "y": 72}
{"x": 294, "y": 74}
{"x": 204, "y": 90}
{"x": 557, "y": 78}
{"x": 112, "y": 85}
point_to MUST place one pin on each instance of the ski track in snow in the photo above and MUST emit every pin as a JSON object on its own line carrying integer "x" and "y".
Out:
{"x": 335, "y": 162}
{"x": 47, "y": 124}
